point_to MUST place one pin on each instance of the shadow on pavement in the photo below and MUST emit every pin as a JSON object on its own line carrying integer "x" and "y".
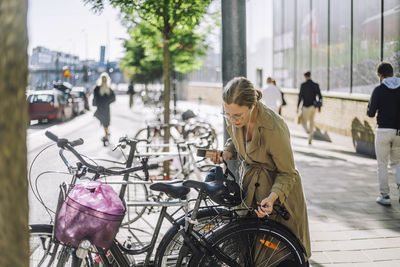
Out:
{"x": 315, "y": 264}
{"x": 320, "y": 136}
{"x": 363, "y": 137}
{"x": 350, "y": 153}
{"x": 319, "y": 156}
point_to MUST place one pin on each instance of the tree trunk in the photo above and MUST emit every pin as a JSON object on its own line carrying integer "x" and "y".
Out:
{"x": 167, "y": 98}
{"x": 14, "y": 245}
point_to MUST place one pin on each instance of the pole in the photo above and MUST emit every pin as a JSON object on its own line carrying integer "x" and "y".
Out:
{"x": 174, "y": 81}
{"x": 233, "y": 48}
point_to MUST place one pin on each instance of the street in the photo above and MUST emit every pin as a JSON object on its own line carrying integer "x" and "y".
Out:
{"x": 347, "y": 227}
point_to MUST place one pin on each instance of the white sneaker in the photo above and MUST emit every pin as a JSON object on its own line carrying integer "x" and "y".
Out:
{"x": 385, "y": 201}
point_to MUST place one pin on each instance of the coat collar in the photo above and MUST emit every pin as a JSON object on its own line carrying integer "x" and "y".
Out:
{"x": 263, "y": 121}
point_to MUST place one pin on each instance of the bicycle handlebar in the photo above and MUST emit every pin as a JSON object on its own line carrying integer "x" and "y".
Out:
{"x": 65, "y": 144}
{"x": 62, "y": 141}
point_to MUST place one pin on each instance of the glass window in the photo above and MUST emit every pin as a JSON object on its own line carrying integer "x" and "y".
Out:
{"x": 340, "y": 30}
{"x": 277, "y": 16}
{"x": 366, "y": 44}
{"x": 391, "y": 34}
{"x": 319, "y": 42}
{"x": 40, "y": 99}
{"x": 303, "y": 39}
{"x": 278, "y": 40}
{"x": 288, "y": 72}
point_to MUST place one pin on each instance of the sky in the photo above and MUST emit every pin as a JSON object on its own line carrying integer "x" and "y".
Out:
{"x": 70, "y": 26}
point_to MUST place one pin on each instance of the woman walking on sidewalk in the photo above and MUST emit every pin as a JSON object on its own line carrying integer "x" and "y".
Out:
{"x": 260, "y": 139}
{"x": 103, "y": 96}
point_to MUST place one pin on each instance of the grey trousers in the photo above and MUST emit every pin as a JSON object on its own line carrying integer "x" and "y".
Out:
{"x": 387, "y": 150}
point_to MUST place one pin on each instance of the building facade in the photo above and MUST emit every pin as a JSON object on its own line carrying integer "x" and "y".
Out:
{"x": 47, "y": 66}
{"x": 340, "y": 41}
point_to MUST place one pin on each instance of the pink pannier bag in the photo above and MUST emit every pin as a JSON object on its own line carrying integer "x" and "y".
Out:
{"x": 91, "y": 211}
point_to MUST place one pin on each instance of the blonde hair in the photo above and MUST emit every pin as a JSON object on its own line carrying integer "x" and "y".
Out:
{"x": 99, "y": 81}
{"x": 240, "y": 91}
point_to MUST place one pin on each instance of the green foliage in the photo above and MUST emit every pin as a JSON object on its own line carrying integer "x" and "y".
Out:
{"x": 144, "y": 54}
{"x": 143, "y": 60}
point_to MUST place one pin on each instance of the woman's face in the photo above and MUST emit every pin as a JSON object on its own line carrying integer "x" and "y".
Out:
{"x": 238, "y": 115}
{"x": 104, "y": 79}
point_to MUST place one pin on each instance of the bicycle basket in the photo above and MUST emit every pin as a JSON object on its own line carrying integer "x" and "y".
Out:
{"x": 229, "y": 193}
{"x": 91, "y": 211}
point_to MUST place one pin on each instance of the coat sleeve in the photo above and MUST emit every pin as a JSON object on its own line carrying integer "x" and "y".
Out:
{"x": 318, "y": 92}
{"x": 373, "y": 104}
{"x": 95, "y": 94}
{"x": 282, "y": 155}
{"x": 300, "y": 96}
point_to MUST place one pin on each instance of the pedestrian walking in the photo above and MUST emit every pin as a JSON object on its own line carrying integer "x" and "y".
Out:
{"x": 309, "y": 90}
{"x": 131, "y": 93}
{"x": 283, "y": 98}
{"x": 385, "y": 100}
{"x": 260, "y": 139}
{"x": 271, "y": 96}
{"x": 103, "y": 96}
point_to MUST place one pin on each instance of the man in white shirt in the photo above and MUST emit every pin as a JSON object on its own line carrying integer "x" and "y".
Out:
{"x": 271, "y": 96}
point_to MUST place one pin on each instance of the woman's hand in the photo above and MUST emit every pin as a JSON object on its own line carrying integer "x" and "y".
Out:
{"x": 217, "y": 158}
{"x": 266, "y": 206}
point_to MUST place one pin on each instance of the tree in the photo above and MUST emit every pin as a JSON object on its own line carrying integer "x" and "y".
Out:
{"x": 144, "y": 52}
{"x": 168, "y": 17}
{"x": 14, "y": 245}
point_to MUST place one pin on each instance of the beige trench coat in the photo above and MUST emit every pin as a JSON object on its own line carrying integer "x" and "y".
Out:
{"x": 270, "y": 167}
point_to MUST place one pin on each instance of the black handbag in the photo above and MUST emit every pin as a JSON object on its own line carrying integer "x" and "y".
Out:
{"x": 318, "y": 103}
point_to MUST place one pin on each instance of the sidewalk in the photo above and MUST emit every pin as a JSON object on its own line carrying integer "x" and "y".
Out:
{"x": 347, "y": 227}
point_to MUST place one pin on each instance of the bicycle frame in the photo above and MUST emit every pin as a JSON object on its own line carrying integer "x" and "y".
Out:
{"x": 199, "y": 245}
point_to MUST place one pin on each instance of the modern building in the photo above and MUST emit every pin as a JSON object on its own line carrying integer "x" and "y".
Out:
{"x": 340, "y": 41}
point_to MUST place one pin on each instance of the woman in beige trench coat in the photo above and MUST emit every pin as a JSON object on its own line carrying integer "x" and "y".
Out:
{"x": 261, "y": 139}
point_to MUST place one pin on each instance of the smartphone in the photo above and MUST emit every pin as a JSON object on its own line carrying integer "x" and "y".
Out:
{"x": 207, "y": 153}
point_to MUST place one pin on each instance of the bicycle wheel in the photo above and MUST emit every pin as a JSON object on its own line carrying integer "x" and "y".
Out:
{"x": 253, "y": 242}
{"x": 42, "y": 248}
{"x": 154, "y": 137}
{"x": 169, "y": 248}
{"x": 45, "y": 251}
{"x": 201, "y": 130}
{"x": 135, "y": 192}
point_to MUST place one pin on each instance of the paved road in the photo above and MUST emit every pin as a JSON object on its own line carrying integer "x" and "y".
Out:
{"x": 347, "y": 227}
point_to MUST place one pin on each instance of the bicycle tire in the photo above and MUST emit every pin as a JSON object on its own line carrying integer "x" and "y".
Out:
{"x": 200, "y": 130}
{"x": 135, "y": 192}
{"x": 169, "y": 247}
{"x": 153, "y": 136}
{"x": 262, "y": 243}
{"x": 45, "y": 251}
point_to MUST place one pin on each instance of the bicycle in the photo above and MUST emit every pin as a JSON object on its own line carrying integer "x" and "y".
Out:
{"x": 213, "y": 248}
{"x": 189, "y": 131}
{"x": 184, "y": 156}
{"x": 52, "y": 251}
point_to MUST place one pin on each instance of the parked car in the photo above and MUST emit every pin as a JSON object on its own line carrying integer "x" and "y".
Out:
{"x": 82, "y": 92}
{"x": 49, "y": 105}
{"x": 78, "y": 103}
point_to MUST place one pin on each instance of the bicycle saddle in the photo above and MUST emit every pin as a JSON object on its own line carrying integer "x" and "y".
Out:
{"x": 218, "y": 191}
{"x": 174, "y": 189}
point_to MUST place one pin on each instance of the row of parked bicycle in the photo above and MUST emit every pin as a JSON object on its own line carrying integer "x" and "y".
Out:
{"x": 95, "y": 226}
{"x": 62, "y": 102}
